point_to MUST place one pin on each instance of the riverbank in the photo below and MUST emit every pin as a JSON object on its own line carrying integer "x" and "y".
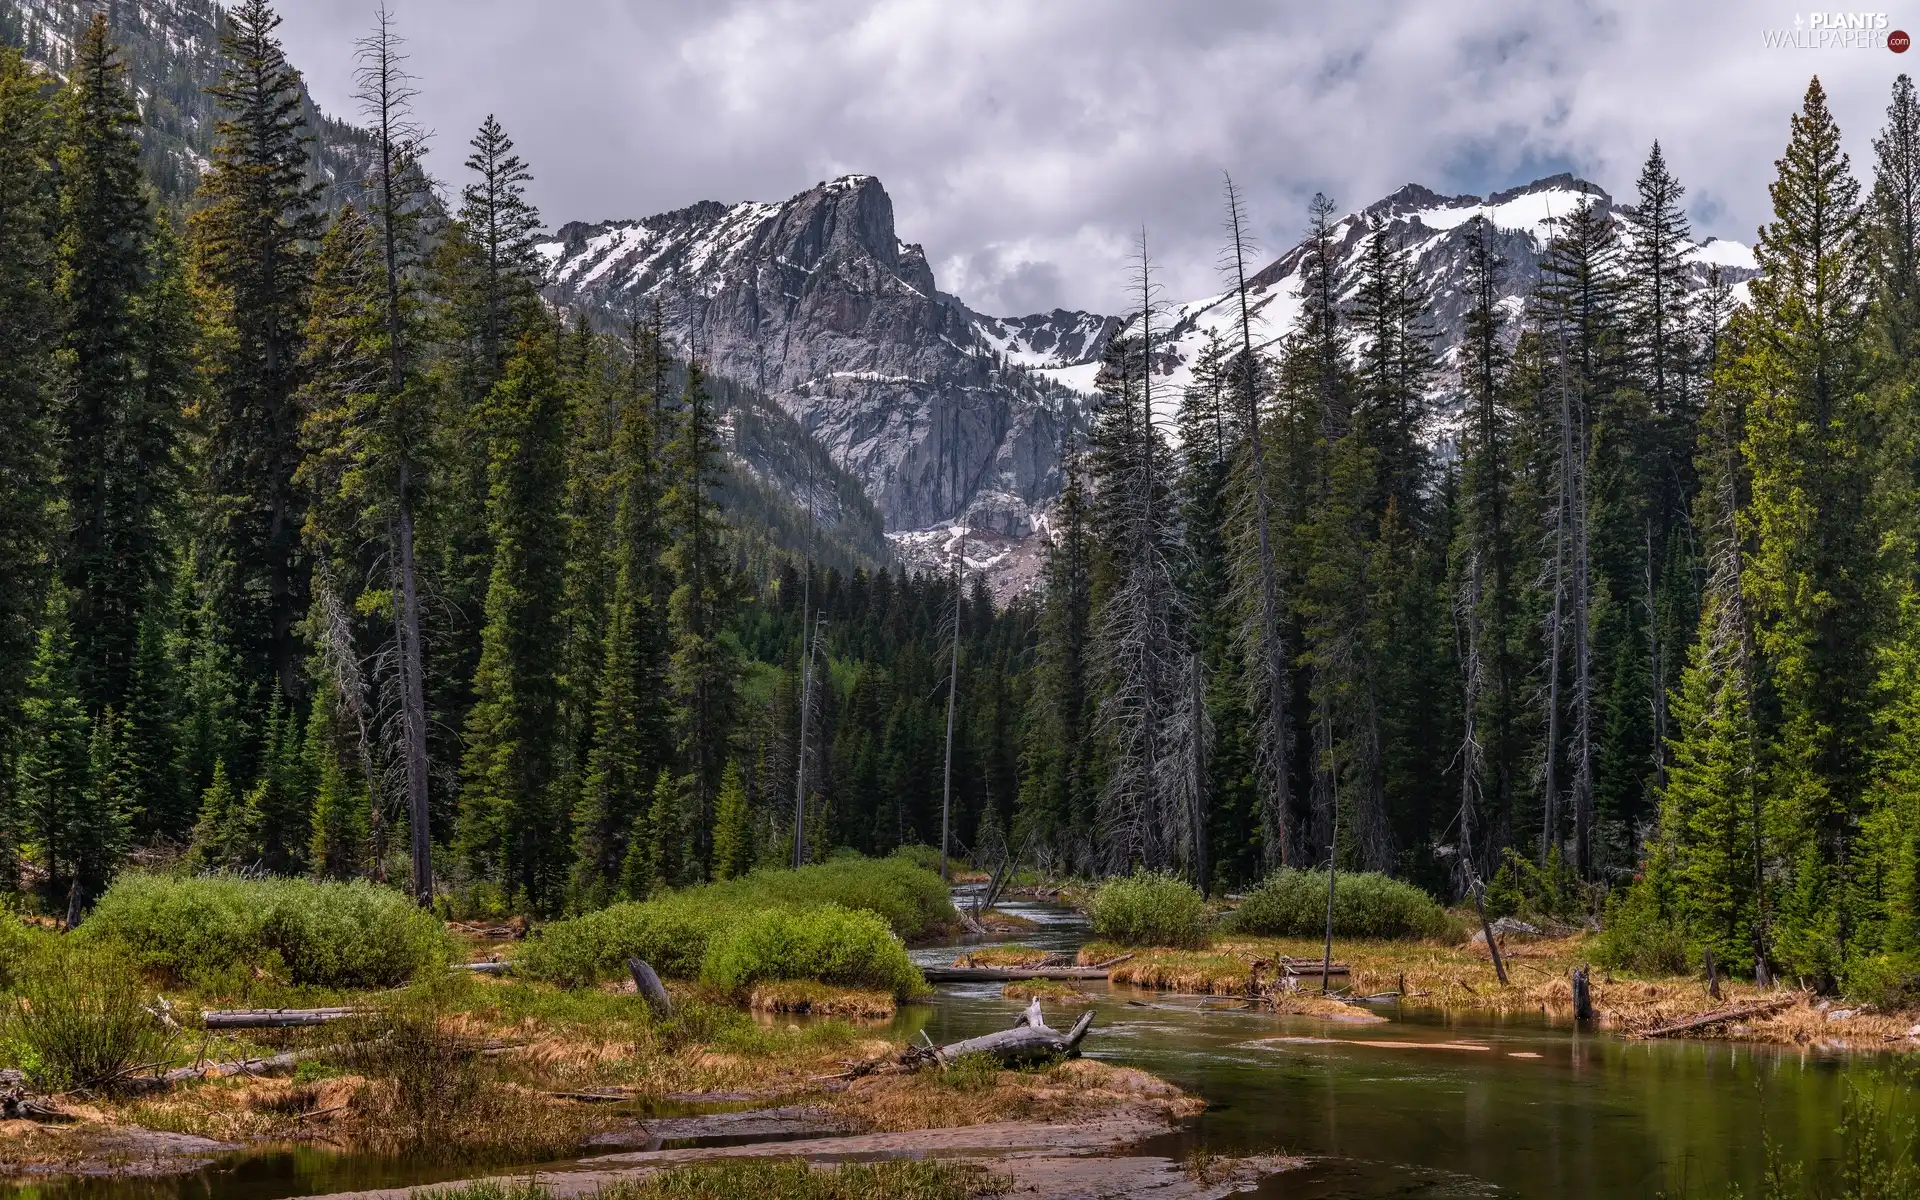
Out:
{"x": 1461, "y": 979}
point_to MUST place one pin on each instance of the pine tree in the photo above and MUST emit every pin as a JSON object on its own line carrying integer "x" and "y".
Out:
{"x": 252, "y": 240}
{"x": 1056, "y": 798}
{"x": 502, "y": 227}
{"x": 703, "y": 670}
{"x": 52, "y": 775}
{"x": 1483, "y": 578}
{"x": 732, "y": 837}
{"x": 103, "y": 811}
{"x": 157, "y": 801}
{"x": 512, "y": 815}
{"x": 337, "y": 837}
{"x": 630, "y": 734}
{"x": 1814, "y": 575}
{"x": 124, "y": 351}
{"x": 220, "y": 836}
{"x": 27, "y": 383}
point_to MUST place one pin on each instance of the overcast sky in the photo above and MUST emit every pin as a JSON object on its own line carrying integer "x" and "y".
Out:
{"x": 1024, "y": 142}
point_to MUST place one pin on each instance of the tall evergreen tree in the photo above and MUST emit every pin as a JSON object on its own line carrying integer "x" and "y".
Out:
{"x": 703, "y": 669}
{"x": 253, "y": 238}
{"x": 512, "y": 826}
{"x": 1814, "y": 577}
{"x": 28, "y": 328}
{"x": 52, "y": 774}
{"x": 124, "y": 352}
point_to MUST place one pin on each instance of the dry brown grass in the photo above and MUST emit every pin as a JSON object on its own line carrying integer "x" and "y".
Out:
{"x": 1078, "y": 1089}
{"x": 1047, "y": 991}
{"x": 820, "y": 999}
{"x": 1461, "y": 979}
{"x": 1003, "y": 956}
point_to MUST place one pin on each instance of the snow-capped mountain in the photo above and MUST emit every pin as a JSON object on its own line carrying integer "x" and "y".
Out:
{"x": 818, "y": 304}
{"x": 955, "y": 420}
{"x": 1432, "y": 230}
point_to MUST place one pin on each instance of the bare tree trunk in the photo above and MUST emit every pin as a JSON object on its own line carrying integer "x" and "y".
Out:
{"x": 419, "y": 817}
{"x": 953, "y": 692}
{"x": 386, "y": 94}
{"x": 1270, "y": 654}
{"x": 807, "y": 643}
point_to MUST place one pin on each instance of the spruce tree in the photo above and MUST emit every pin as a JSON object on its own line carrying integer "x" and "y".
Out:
{"x": 123, "y": 346}
{"x": 1814, "y": 575}
{"x": 52, "y": 773}
{"x": 703, "y": 669}
{"x": 512, "y": 828}
{"x": 28, "y": 329}
{"x": 732, "y": 836}
{"x": 1056, "y": 798}
{"x": 630, "y": 737}
{"x": 253, "y": 236}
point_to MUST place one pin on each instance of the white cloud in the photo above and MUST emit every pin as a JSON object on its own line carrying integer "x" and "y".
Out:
{"x": 1025, "y": 142}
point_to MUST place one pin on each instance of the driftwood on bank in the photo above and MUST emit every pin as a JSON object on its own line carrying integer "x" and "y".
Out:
{"x": 1760, "y": 1009}
{"x": 1008, "y": 974}
{"x": 1024, "y": 1043}
{"x": 647, "y": 983}
{"x": 486, "y": 968}
{"x": 275, "y": 1018}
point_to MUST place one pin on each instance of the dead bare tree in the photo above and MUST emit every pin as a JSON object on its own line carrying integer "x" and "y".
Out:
{"x": 386, "y": 94}
{"x": 1262, "y": 634}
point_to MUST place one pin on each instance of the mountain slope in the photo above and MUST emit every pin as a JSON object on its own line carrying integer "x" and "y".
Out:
{"x": 818, "y": 304}
{"x": 1433, "y": 231}
{"x": 172, "y": 52}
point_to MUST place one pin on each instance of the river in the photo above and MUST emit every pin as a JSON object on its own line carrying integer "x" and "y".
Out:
{"x": 1422, "y": 1106}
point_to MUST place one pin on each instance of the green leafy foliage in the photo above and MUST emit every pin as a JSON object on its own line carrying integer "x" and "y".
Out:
{"x": 672, "y": 931}
{"x": 1641, "y": 932}
{"x": 828, "y": 943}
{"x": 1149, "y": 909}
{"x": 325, "y": 934}
{"x": 1290, "y": 903}
{"x": 79, "y": 1017}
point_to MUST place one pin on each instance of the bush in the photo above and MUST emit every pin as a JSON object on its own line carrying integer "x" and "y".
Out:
{"x": 1641, "y": 934}
{"x": 1290, "y": 903}
{"x": 354, "y": 934}
{"x": 1888, "y": 982}
{"x": 1148, "y": 909}
{"x": 909, "y": 898}
{"x": 670, "y": 933}
{"x": 829, "y": 944}
{"x": 79, "y": 1019}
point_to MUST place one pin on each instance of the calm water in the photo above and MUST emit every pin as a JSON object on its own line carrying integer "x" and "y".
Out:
{"x": 1510, "y": 1108}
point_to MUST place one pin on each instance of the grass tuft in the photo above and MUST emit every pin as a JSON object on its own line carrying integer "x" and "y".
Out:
{"x": 79, "y": 1019}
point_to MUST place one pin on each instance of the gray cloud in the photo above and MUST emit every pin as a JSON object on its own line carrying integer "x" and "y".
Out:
{"x": 1025, "y": 143}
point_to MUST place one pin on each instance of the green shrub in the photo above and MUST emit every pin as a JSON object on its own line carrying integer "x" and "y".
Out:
{"x": 1888, "y": 982}
{"x": 1290, "y": 903}
{"x": 670, "y": 934}
{"x": 909, "y": 898}
{"x": 672, "y": 931}
{"x": 1148, "y": 909}
{"x": 78, "y": 1018}
{"x": 1642, "y": 934}
{"x": 829, "y": 944}
{"x": 354, "y": 934}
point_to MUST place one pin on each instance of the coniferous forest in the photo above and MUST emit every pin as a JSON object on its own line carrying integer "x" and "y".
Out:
{"x": 329, "y": 546}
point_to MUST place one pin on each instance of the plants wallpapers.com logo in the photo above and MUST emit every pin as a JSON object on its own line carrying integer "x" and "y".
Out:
{"x": 1838, "y": 31}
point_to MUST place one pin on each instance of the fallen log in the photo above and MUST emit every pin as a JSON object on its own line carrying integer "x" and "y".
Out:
{"x": 1020, "y": 1045}
{"x": 273, "y": 1064}
{"x": 486, "y": 968}
{"x": 274, "y": 1018}
{"x": 1008, "y": 974}
{"x": 1760, "y": 1009}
